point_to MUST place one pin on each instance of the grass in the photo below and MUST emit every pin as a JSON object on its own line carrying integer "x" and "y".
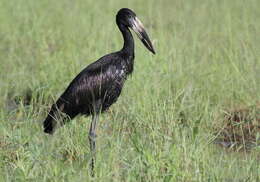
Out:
{"x": 164, "y": 124}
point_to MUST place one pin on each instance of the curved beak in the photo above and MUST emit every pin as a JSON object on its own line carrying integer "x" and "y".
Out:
{"x": 138, "y": 28}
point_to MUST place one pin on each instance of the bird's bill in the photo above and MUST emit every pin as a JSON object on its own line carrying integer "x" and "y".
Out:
{"x": 138, "y": 28}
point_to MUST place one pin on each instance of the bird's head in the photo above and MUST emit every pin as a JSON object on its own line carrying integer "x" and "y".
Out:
{"x": 128, "y": 18}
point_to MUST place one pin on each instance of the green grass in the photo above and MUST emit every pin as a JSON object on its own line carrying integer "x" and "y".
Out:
{"x": 163, "y": 125}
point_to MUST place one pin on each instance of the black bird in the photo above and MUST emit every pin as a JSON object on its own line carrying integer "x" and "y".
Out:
{"x": 99, "y": 85}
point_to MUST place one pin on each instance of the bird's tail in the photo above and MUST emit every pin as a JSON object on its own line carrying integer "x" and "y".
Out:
{"x": 50, "y": 122}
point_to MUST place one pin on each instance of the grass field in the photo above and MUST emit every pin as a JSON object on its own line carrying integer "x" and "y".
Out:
{"x": 171, "y": 110}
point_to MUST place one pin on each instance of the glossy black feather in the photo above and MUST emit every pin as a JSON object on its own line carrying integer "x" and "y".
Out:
{"x": 99, "y": 85}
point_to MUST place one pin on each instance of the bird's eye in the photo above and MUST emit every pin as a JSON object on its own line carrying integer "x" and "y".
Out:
{"x": 128, "y": 15}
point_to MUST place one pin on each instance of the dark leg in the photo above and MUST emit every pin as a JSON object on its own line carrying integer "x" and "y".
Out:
{"x": 92, "y": 141}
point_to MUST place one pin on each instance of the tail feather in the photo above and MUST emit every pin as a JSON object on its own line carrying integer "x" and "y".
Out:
{"x": 60, "y": 113}
{"x": 55, "y": 114}
{"x": 50, "y": 122}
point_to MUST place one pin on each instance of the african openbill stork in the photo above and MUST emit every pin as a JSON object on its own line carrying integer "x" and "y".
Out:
{"x": 99, "y": 85}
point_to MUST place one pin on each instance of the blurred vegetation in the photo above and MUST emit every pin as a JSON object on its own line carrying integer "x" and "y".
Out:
{"x": 172, "y": 108}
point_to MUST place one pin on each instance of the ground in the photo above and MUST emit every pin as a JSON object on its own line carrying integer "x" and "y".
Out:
{"x": 189, "y": 113}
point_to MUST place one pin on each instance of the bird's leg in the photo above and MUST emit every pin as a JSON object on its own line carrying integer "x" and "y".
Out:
{"x": 92, "y": 141}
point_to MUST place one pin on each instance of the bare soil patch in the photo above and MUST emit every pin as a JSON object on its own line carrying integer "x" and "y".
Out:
{"x": 240, "y": 129}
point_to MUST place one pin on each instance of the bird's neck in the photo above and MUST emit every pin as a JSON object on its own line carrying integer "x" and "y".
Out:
{"x": 128, "y": 47}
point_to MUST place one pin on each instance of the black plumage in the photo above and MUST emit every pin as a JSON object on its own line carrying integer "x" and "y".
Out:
{"x": 99, "y": 85}
{"x": 93, "y": 90}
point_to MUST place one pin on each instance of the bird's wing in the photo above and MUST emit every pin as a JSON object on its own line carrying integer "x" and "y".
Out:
{"x": 92, "y": 82}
